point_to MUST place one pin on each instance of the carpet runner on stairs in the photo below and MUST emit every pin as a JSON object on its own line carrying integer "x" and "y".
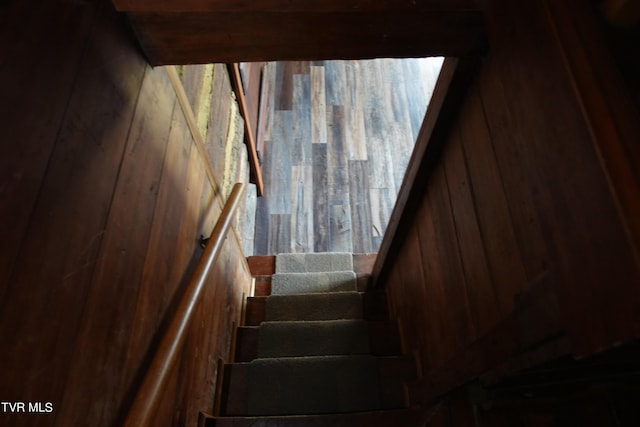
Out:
{"x": 313, "y": 351}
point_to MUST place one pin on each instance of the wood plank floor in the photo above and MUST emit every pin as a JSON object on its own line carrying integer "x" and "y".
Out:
{"x": 335, "y": 142}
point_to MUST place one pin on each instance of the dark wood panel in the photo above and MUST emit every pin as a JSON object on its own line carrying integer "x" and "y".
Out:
{"x": 483, "y": 302}
{"x": 454, "y": 283}
{"x": 244, "y": 37}
{"x": 578, "y": 219}
{"x": 34, "y": 126}
{"x": 118, "y": 273}
{"x": 44, "y": 300}
{"x": 503, "y": 254}
{"x": 526, "y": 205}
{"x": 290, "y": 6}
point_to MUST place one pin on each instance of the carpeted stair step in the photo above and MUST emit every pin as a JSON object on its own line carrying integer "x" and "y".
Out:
{"x": 403, "y": 417}
{"x": 314, "y": 262}
{"x": 304, "y": 283}
{"x": 313, "y": 338}
{"x": 331, "y": 306}
{"x": 312, "y": 385}
{"x": 383, "y": 340}
{"x": 273, "y": 387}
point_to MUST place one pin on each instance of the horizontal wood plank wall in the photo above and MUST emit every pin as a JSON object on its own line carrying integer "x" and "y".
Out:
{"x": 518, "y": 205}
{"x": 203, "y": 37}
{"x": 103, "y": 200}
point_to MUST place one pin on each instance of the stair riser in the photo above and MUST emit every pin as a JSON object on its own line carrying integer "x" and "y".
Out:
{"x": 266, "y": 265}
{"x": 374, "y": 306}
{"x": 405, "y": 418}
{"x": 393, "y": 372}
{"x": 383, "y": 341}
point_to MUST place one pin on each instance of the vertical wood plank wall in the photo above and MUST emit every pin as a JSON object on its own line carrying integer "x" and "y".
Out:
{"x": 519, "y": 201}
{"x": 103, "y": 196}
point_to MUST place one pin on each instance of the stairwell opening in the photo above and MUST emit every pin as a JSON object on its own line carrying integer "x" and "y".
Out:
{"x": 335, "y": 138}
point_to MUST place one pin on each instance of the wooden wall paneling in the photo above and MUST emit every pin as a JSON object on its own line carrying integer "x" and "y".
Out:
{"x": 284, "y": 85}
{"x": 192, "y": 77}
{"x": 483, "y": 302}
{"x": 321, "y": 199}
{"x": 191, "y": 389}
{"x": 375, "y": 132}
{"x": 336, "y": 80}
{"x": 492, "y": 208}
{"x": 578, "y": 218}
{"x": 42, "y": 307}
{"x": 288, "y": 5}
{"x": 99, "y": 359}
{"x": 417, "y": 317}
{"x": 360, "y": 206}
{"x": 302, "y": 213}
{"x": 338, "y": 169}
{"x": 261, "y": 36}
{"x": 510, "y": 159}
{"x": 354, "y": 115}
{"x": 170, "y": 250}
{"x": 280, "y": 162}
{"x": 438, "y": 324}
{"x": 452, "y": 84}
{"x": 399, "y": 126}
{"x": 415, "y": 104}
{"x": 318, "y": 105}
{"x": 279, "y": 233}
{"x": 30, "y": 139}
{"x": 301, "y": 112}
{"x": 456, "y": 308}
{"x": 210, "y": 334}
{"x": 168, "y": 410}
{"x": 218, "y": 124}
{"x": 606, "y": 103}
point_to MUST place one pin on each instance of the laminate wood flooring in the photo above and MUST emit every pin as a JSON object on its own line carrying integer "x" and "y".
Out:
{"x": 335, "y": 139}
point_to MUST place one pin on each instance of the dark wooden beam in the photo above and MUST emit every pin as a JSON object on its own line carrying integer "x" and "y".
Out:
{"x": 228, "y": 37}
{"x": 326, "y": 6}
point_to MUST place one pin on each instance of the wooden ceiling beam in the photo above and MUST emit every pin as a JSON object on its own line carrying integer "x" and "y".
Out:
{"x": 226, "y": 37}
{"x": 323, "y": 6}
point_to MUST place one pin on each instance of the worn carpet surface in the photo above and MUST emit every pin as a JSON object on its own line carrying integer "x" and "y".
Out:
{"x": 313, "y": 350}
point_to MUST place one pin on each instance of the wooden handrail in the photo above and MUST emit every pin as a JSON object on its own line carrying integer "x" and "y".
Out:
{"x": 150, "y": 392}
{"x": 254, "y": 162}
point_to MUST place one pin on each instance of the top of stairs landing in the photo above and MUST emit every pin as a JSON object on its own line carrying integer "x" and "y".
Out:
{"x": 262, "y": 267}
{"x": 314, "y": 262}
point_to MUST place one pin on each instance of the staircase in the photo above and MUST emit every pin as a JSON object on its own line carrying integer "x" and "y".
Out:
{"x": 316, "y": 349}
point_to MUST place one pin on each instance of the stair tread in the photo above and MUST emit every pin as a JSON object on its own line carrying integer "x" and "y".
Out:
{"x": 392, "y": 373}
{"x": 383, "y": 339}
{"x": 324, "y": 337}
{"x": 313, "y": 262}
{"x": 406, "y": 417}
{"x": 315, "y": 347}
{"x": 314, "y": 282}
